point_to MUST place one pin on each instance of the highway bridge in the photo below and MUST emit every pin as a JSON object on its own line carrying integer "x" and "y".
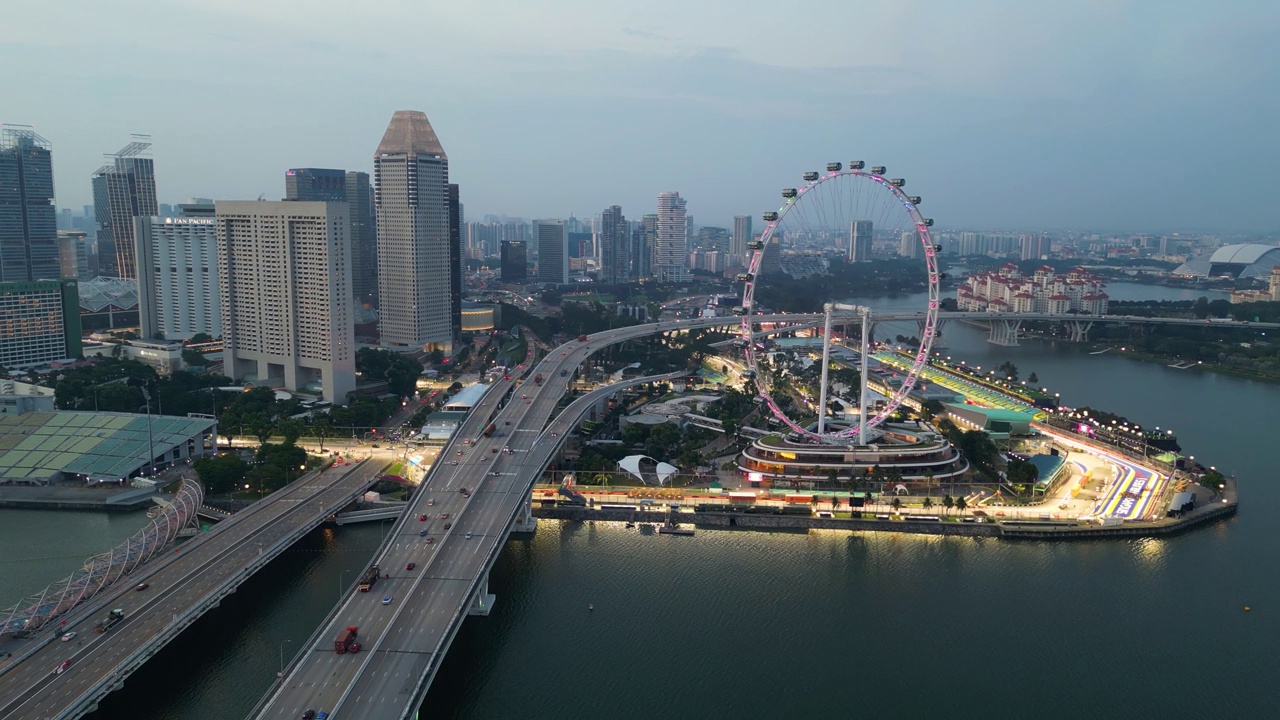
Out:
{"x": 1005, "y": 328}
{"x": 182, "y": 587}
{"x": 475, "y": 495}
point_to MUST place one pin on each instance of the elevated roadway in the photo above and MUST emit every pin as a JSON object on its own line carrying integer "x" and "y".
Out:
{"x": 182, "y": 587}
{"x": 452, "y": 539}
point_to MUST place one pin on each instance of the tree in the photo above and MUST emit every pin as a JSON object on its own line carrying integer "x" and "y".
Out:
{"x": 961, "y": 504}
{"x": 199, "y": 338}
{"x": 259, "y": 425}
{"x": 1033, "y": 379}
{"x": 928, "y": 503}
{"x": 193, "y": 358}
{"x": 897, "y": 504}
{"x": 321, "y": 428}
{"x": 290, "y": 429}
{"x": 220, "y": 473}
{"x": 948, "y": 502}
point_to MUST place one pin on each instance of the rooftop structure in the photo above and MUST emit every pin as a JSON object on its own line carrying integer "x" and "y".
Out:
{"x": 40, "y": 447}
{"x": 1247, "y": 262}
{"x": 467, "y": 397}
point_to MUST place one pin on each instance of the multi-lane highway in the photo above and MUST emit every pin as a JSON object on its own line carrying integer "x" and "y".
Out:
{"x": 451, "y": 537}
{"x": 181, "y": 588}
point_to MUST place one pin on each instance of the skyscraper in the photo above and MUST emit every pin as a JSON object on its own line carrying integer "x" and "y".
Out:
{"x": 643, "y": 240}
{"x": 615, "y": 260}
{"x": 909, "y": 245}
{"x": 515, "y": 261}
{"x": 39, "y": 321}
{"x": 553, "y": 251}
{"x": 455, "y": 260}
{"x": 325, "y": 184}
{"x": 311, "y": 184}
{"x": 178, "y": 292}
{"x": 670, "y": 253}
{"x": 1033, "y": 247}
{"x": 364, "y": 247}
{"x": 122, "y": 191}
{"x": 860, "y": 241}
{"x": 411, "y": 178}
{"x": 284, "y": 277}
{"x": 741, "y": 236}
{"x": 28, "y": 218}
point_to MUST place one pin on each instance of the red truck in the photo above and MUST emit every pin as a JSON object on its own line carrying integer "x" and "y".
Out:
{"x": 488, "y": 431}
{"x": 537, "y": 379}
{"x": 346, "y": 641}
{"x": 582, "y": 338}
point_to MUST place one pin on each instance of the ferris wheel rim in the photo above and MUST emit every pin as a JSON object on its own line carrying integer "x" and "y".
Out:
{"x": 929, "y": 331}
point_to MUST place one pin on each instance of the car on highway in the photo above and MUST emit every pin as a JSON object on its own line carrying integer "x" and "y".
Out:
{"x": 458, "y": 453}
{"x": 430, "y": 540}
{"x": 493, "y": 450}
{"x": 555, "y": 434}
{"x": 62, "y": 667}
{"x": 386, "y": 599}
{"x": 141, "y": 586}
{"x": 444, "y": 516}
{"x": 423, "y": 533}
{"x": 524, "y": 397}
{"x": 462, "y": 490}
{"x": 322, "y": 715}
{"x": 506, "y": 377}
{"x": 453, "y": 462}
{"x": 526, "y": 402}
{"x": 431, "y": 501}
{"x": 309, "y": 715}
{"x": 376, "y": 445}
{"x": 68, "y": 637}
{"x": 448, "y": 525}
{"x": 507, "y": 450}
{"x": 422, "y": 518}
{"x": 468, "y": 536}
{"x": 410, "y": 566}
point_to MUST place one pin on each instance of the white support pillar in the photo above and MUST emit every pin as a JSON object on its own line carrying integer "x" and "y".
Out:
{"x": 482, "y": 603}
{"x": 525, "y": 521}
{"x": 826, "y": 364}
{"x": 862, "y": 380}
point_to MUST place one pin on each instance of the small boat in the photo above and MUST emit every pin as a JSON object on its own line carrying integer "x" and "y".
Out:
{"x": 673, "y": 529}
{"x": 1101, "y": 351}
{"x": 630, "y": 524}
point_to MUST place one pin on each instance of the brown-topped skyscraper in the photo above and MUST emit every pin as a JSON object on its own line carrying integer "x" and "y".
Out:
{"x": 411, "y": 194}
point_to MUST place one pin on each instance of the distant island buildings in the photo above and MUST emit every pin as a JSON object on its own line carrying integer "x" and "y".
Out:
{"x": 1045, "y": 291}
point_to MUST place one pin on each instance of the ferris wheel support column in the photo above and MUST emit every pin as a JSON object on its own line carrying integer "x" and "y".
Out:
{"x": 862, "y": 377}
{"x": 826, "y": 363}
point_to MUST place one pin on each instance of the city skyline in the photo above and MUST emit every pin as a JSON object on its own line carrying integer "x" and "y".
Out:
{"x": 1113, "y": 121}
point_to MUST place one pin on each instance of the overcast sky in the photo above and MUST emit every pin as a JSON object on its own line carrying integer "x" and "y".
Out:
{"x": 1133, "y": 115}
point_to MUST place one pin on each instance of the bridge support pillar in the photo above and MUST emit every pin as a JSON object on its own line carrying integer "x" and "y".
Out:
{"x": 1004, "y": 332}
{"x": 1078, "y": 330}
{"x": 525, "y": 521}
{"x": 482, "y": 603}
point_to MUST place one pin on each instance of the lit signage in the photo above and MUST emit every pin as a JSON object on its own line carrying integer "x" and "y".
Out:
{"x": 188, "y": 221}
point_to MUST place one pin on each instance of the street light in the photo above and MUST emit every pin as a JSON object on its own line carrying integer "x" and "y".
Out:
{"x": 280, "y": 673}
{"x": 340, "y": 576}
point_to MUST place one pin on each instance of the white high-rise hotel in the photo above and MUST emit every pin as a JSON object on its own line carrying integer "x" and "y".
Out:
{"x": 177, "y": 272}
{"x": 411, "y": 186}
{"x": 670, "y": 249}
{"x": 1008, "y": 290}
{"x": 284, "y": 272}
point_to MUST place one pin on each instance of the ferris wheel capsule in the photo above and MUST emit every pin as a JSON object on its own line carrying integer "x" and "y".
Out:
{"x": 770, "y": 217}
{"x": 833, "y": 167}
{"x": 856, "y": 164}
{"x": 789, "y": 193}
{"x": 756, "y": 244}
{"x": 915, "y": 199}
{"x": 810, "y": 176}
{"x": 878, "y": 170}
{"x": 898, "y": 182}
{"x": 928, "y": 222}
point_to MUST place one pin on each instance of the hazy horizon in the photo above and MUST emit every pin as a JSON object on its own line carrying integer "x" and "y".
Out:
{"x": 1121, "y": 116}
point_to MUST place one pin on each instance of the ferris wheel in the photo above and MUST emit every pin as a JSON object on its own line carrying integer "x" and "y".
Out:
{"x": 844, "y": 207}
